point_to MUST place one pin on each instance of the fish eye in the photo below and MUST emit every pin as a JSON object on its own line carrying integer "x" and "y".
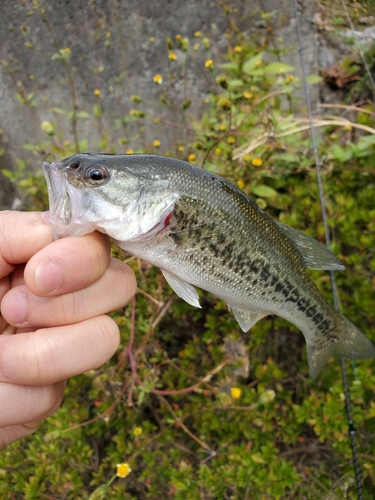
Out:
{"x": 96, "y": 174}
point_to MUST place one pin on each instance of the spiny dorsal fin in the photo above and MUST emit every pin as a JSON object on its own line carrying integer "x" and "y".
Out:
{"x": 315, "y": 255}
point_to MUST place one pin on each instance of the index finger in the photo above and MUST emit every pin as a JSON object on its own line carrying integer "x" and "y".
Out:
{"x": 22, "y": 234}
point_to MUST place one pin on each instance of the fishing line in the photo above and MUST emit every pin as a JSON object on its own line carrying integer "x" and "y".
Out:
{"x": 357, "y": 471}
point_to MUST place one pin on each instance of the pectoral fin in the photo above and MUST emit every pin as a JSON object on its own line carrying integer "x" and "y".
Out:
{"x": 315, "y": 255}
{"x": 245, "y": 318}
{"x": 182, "y": 289}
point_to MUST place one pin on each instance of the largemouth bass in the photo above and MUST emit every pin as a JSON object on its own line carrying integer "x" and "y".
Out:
{"x": 202, "y": 231}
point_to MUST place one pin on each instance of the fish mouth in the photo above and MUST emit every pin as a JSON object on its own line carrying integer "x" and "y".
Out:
{"x": 59, "y": 198}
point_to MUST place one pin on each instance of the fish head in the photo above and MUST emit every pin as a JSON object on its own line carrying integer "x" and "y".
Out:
{"x": 108, "y": 193}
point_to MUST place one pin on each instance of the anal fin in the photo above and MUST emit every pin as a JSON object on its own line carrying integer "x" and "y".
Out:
{"x": 245, "y": 317}
{"x": 182, "y": 288}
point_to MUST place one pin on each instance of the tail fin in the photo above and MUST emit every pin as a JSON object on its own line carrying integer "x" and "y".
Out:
{"x": 351, "y": 343}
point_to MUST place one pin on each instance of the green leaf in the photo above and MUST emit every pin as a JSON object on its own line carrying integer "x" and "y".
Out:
{"x": 288, "y": 157}
{"x": 83, "y": 114}
{"x": 276, "y": 68}
{"x": 97, "y": 110}
{"x": 264, "y": 191}
{"x": 340, "y": 154}
{"x": 59, "y": 111}
{"x": 257, "y": 458}
{"x": 235, "y": 83}
{"x": 251, "y": 63}
{"x": 311, "y": 79}
{"x": 29, "y": 147}
{"x": 229, "y": 65}
{"x": 7, "y": 173}
{"x": 368, "y": 139}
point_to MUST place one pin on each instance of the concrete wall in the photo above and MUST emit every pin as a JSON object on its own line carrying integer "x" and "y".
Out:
{"x": 113, "y": 36}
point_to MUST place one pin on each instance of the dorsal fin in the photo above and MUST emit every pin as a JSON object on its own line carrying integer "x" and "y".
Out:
{"x": 315, "y": 255}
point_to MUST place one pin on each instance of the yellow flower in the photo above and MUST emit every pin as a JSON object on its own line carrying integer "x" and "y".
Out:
{"x": 258, "y": 62}
{"x": 29, "y": 45}
{"x": 217, "y": 151}
{"x": 97, "y": 92}
{"x": 181, "y": 148}
{"x": 123, "y": 470}
{"x": 347, "y": 127}
{"x": 197, "y": 34}
{"x": 66, "y": 143}
{"x": 108, "y": 34}
{"x": 137, "y": 431}
{"x": 129, "y": 151}
{"x": 191, "y": 158}
{"x": 257, "y": 162}
{"x": 238, "y": 48}
{"x": 156, "y": 143}
{"x": 241, "y": 185}
{"x": 178, "y": 36}
{"x": 158, "y": 79}
{"x": 209, "y": 63}
{"x": 157, "y": 120}
{"x": 235, "y": 392}
{"x": 31, "y": 77}
{"x": 152, "y": 39}
{"x": 231, "y": 139}
{"x": 67, "y": 50}
{"x": 222, "y": 126}
{"x": 196, "y": 46}
{"x": 47, "y": 127}
{"x": 248, "y": 95}
{"x": 172, "y": 56}
{"x": 289, "y": 78}
{"x": 246, "y": 158}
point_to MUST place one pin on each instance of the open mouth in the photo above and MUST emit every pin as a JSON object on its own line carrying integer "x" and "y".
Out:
{"x": 58, "y": 196}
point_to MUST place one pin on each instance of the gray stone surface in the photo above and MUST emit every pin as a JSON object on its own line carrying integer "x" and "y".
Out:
{"x": 124, "y": 67}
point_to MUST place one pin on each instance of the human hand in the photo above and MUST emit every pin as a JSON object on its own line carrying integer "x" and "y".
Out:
{"x": 53, "y": 300}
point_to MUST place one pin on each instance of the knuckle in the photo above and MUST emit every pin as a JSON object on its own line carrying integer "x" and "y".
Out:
{"x": 50, "y": 400}
{"x": 38, "y": 358}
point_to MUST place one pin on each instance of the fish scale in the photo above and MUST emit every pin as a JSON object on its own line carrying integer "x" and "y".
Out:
{"x": 202, "y": 231}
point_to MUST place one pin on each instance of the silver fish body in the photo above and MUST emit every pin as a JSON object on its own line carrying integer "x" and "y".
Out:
{"x": 202, "y": 231}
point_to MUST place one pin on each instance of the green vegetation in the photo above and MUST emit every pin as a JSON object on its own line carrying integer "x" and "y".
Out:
{"x": 207, "y": 411}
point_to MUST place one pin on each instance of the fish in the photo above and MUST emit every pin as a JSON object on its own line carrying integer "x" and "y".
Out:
{"x": 203, "y": 231}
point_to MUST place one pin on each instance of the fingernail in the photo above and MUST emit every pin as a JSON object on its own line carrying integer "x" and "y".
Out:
{"x": 49, "y": 276}
{"x": 14, "y": 308}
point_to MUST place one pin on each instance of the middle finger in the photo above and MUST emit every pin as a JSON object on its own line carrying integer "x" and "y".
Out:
{"x": 20, "y": 307}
